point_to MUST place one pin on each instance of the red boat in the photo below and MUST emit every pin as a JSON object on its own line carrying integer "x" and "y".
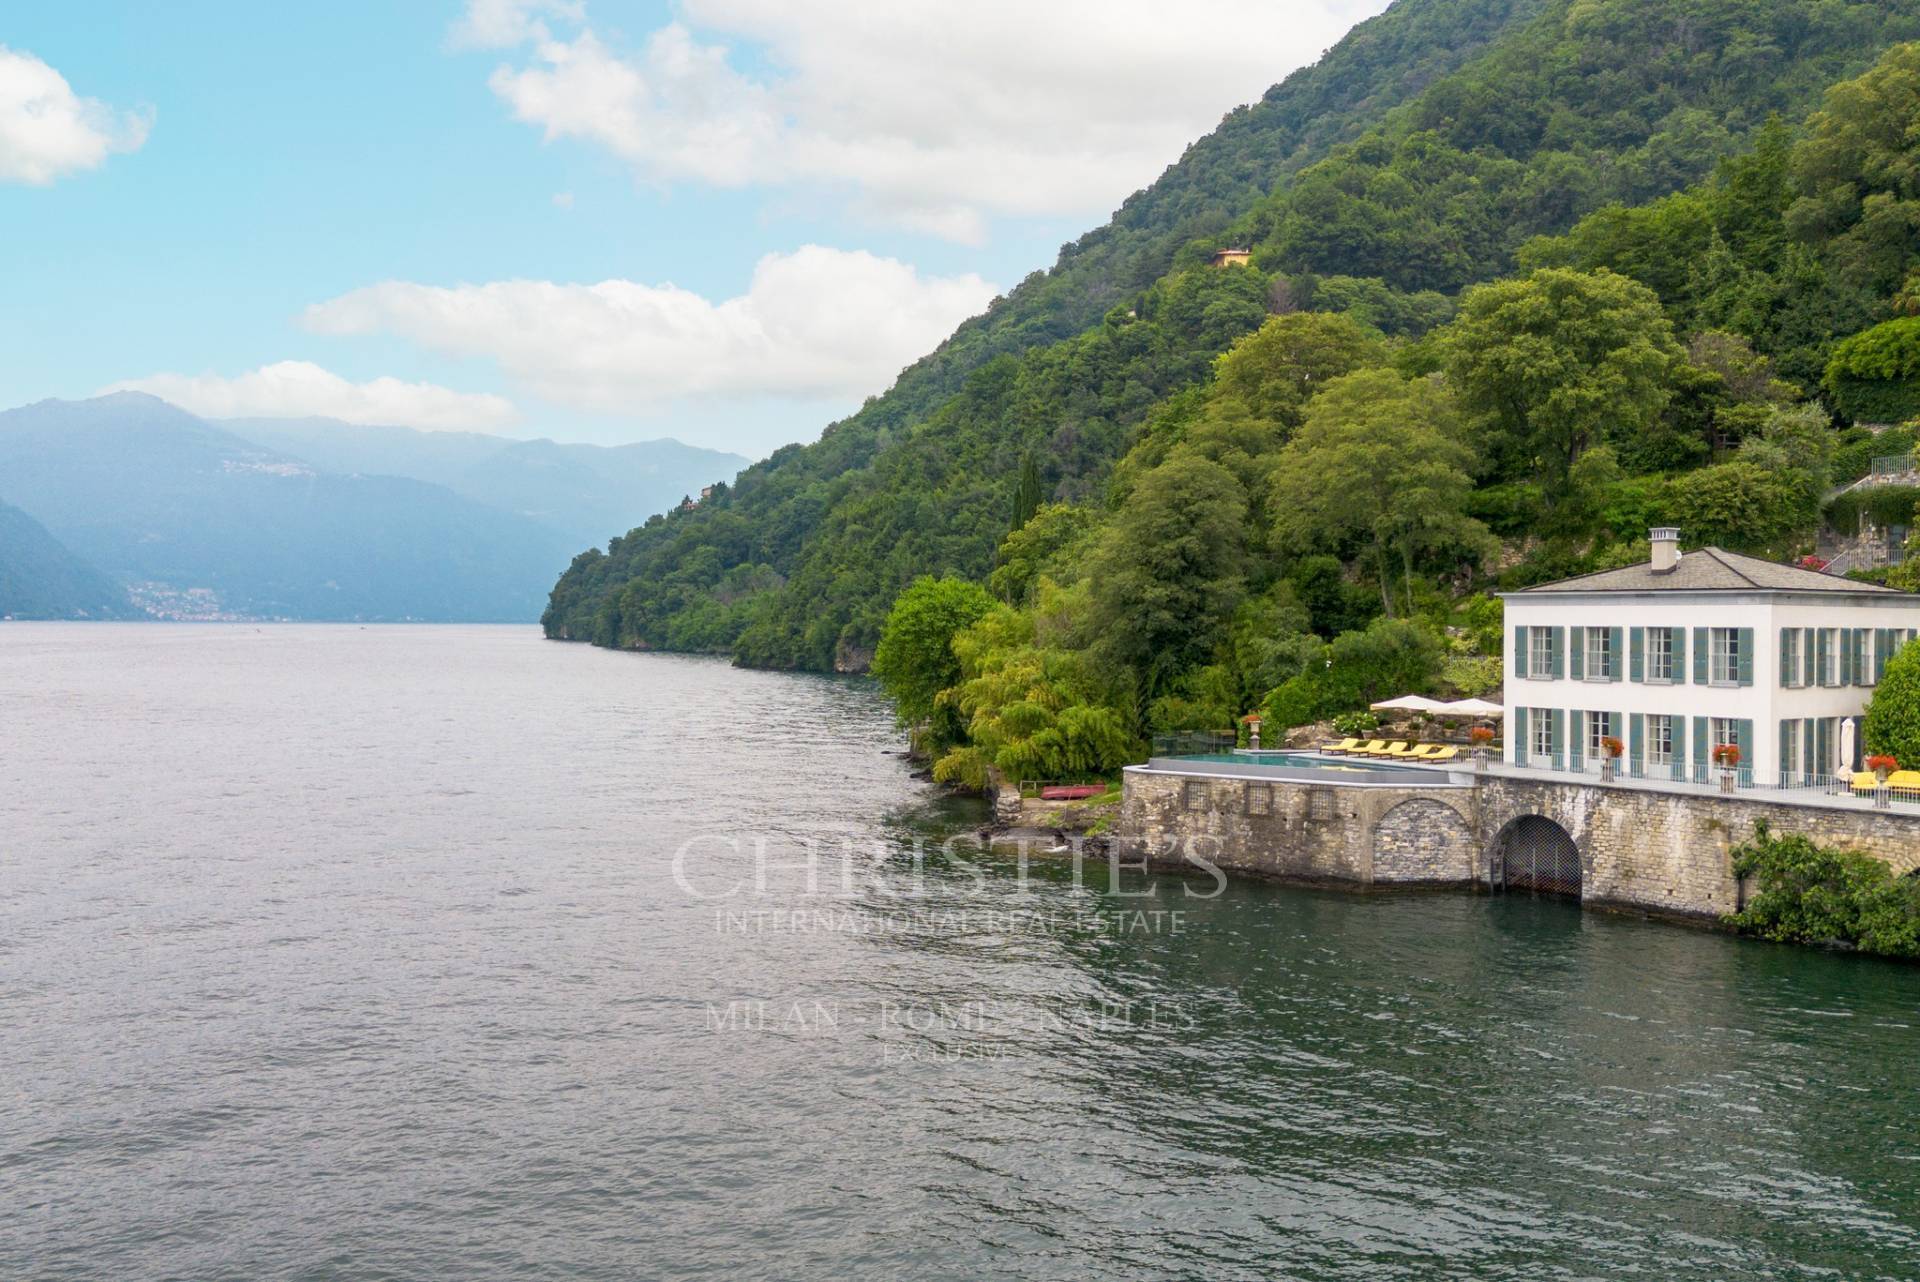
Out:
{"x": 1072, "y": 792}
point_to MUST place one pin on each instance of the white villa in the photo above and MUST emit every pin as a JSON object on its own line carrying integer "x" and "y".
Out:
{"x": 1691, "y": 651}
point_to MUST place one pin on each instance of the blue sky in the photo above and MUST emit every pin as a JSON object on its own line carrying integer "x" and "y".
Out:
{"x": 469, "y": 216}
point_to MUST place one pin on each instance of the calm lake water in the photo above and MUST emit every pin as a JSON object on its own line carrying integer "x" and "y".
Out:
{"x": 355, "y": 953}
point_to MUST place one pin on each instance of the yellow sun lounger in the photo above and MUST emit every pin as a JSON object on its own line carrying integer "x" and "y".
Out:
{"x": 1402, "y": 752}
{"x": 1380, "y": 748}
{"x": 1335, "y": 749}
{"x": 1864, "y": 781}
{"x": 1904, "y": 779}
{"x": 1436, "y": 752}
{"x": 1377, "y": 745}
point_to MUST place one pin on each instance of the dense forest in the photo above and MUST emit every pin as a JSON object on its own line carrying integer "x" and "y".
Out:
{"x": 1621, "y": 264}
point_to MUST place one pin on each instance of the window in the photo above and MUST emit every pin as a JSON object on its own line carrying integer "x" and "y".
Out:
{"x": 1792, "y": 665}
{"x": 1540, "y": 726}
{"x": 1864, "y": 671}
{"x": 1259, "y": 798}
{"x": 1601, "y": 725}
{"x": 1722, "y": 730}
{"x": 1599, "y": 654}
{"x": 1659, "y": 739}
{"x": 1789, "y": 749}
{"x": 1540, "y": 654}
{"x": 1660, "y": 655}
{"x": 1829, "y": 652}
{"x": 1320, "y": 805}
{"x": 1724, "y": 652}
{"x": 1194, "y": 794}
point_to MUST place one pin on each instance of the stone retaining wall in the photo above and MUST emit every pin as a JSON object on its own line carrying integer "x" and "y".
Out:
{"x": 1640, "y": 848}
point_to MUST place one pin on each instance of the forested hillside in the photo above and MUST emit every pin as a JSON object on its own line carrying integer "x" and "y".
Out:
{"x": 1419, "y": 157}
{"x": 40, "y": 579}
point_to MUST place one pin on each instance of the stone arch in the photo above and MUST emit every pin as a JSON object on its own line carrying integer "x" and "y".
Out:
{"x": 1534, "y": 853}
{"x": 1422, "y": 840}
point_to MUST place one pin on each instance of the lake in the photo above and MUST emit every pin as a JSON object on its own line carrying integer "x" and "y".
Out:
{"x": 400, "y": 952}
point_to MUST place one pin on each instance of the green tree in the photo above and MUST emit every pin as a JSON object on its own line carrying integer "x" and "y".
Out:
{"x": 1893, "y": 715}
{"x": 1031, "y": 710}
{"x": 1048, "y": 543}
{"x": 1171, "y": 569}
{"x": 1559, "y": 362}
{"x": 915, "y": 659}
{"x": 1742, "y": 505}
{"x": 1028, "y": 493}
{"x": 1378, "y": 457}
{"x": 1278, "y": 368}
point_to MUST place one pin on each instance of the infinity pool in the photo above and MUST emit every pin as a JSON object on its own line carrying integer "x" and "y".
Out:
{"x": 1304, "y": 761}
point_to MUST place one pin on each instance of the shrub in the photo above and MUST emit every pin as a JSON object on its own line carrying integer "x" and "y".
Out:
{"x": 1810, "y": 894}
{"x": 1884, "y": 505}
{"x": 1392, "y": 657}
{"x": 1352, "y": 725}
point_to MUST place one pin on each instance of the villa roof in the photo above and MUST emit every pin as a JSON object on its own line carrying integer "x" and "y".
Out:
{"x": 1714, "y": 570}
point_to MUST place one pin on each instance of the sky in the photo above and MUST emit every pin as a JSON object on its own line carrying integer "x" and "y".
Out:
{"x": 726, "y": 221}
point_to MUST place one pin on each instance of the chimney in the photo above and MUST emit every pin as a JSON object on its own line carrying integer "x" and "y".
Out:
{"x": 1666, "y": 549}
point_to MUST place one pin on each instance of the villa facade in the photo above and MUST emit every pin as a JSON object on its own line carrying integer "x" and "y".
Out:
{"x": 1688, "y": 652}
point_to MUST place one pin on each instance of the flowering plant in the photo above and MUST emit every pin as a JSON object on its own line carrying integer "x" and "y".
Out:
{"x": 1481, "y": 734}
{"x": 1882, "y": 761}
{"x": 1726, "y": 754}
{"x": 1251, "y": 719}
{"x": 1612, "y": 746}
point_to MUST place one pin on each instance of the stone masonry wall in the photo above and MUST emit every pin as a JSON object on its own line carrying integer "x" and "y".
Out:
{"x": 1671, "y": 852}
{"x": 1639, "y": 848}
{"x": 1423, "y": 841}
{"x": 1302, "y": 831}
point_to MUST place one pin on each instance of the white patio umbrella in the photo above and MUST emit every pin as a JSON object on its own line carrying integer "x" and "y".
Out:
{"x": 1470, "y": 708}
{"x": 1408, "y": 703}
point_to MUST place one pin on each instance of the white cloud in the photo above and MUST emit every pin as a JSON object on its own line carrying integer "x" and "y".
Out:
{"x": 818, "y": 323}
{"x": 46, "y": 130}
{"x": 297, "y": 389}
{"x": 928, "y": 114}
{"x": 498, "y": 24}
{"x": 563, "y": 200}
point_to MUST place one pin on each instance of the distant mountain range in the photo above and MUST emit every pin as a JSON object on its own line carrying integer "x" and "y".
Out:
{"x": 304, "y": 519}
{"x": 575, "y": 489}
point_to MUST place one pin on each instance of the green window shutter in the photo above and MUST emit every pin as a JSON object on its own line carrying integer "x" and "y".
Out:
{"x": 1807, "y": 765}
{"x": 1520, "y": 651}
{"x": 1820, "y": 655}
{"x": 1578, "y": 643}
{"x": 1577, "y": 741}
{"x": 1700, "y": 650}
{"x": 1849, "y": 669}
{"x": 1746, "y": 656}
{"x": 1806, "y": 656}
{"x": 1679, "y": 744}
{"x": 1786, "y": 749}
{"x": 1559, "y": 723}
{"x": 1637, "y": 641}
{"x": 1520, "y": 736}
{"x": 1559, "y": 653}
{"x": 1700, "y": 745}
{"x": 1882, "y": 647}
{"x": 1678, "y": 640}
{"x": 1743, "y": 737}
{"x": 1637, "y": 741}
{"x": 1613, "y": 654}
{"x": 1786, "y": 636}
